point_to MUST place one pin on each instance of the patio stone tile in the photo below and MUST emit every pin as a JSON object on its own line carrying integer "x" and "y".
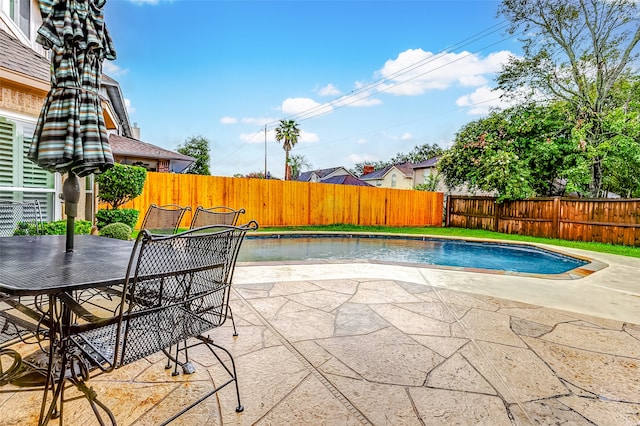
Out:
{"x": 338, "y": 286}
{"x": 21, "y": 408}
{"x": 605, "y": 375}
{"x": 457, "y": 374}
{"x": 335, "y": 368}
{"x": 265, "y": 378}
{"x": 469, "y": 300}
{"x": 632, "y": 330}
{"x": 355, "y": 318}
{"x": 486, "y": 326}
{"x": 415, "y": 288}
{"x": 435, "y": 310}
{"x": 516, "y": 373}
{"x": 298, "y": 322}
{"x": 411, "y": 323}
{"x": 539, "y": 315}
{"x": 382, "y": 292}
{"x": 253, "y": 291}
{"x": 524, "y": 327}
{"x": 315, "y": 354}
{"x": 443, "y": 346}
{"x": 552, "y": 411}
{"x": 444, "y": 407}
{"x": 380, "y": 404}
{"x": 292, "y": 287}
{"x": 597, "y": 340}
{"x": 323, "y": 300}
{"x": 308, "y": 404}
{"x": 268, "y": 307}
{"x": 385, "y": 356}
{"x": 604, "y": 412}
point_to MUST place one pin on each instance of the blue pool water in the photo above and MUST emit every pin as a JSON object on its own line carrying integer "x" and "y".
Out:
{"x": 484, "y": 255}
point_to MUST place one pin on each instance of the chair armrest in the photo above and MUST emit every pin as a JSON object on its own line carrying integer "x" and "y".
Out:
{"x": 92, "y": 319}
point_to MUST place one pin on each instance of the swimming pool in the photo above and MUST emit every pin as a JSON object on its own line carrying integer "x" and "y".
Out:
{"x": 419, "y": 250}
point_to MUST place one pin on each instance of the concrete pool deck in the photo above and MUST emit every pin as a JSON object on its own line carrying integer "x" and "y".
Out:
{"x": 373, "y": 343}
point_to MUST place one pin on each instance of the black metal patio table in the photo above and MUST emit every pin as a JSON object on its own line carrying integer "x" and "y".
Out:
{"x": 41, "y": 266}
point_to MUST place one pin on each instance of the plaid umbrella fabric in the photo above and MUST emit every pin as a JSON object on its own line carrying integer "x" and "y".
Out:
{"x": 71, "y": 135}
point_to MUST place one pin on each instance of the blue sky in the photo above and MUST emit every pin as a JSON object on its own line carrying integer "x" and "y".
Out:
{"x": 364, "y": 79}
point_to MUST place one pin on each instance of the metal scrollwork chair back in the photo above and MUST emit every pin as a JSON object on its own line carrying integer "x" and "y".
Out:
{"x": 20, "y": 217}
{"x": 163, "y": 219}
{"x": 177, "y": 288}
{"x": 220, "y": 215}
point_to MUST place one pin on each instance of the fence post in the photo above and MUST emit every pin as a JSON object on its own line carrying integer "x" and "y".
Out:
{"x": 447, "y": 210}
{"x": 556, "y": 218}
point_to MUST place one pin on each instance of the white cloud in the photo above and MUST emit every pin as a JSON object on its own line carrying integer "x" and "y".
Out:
{"x": 308, "y": 137}
{"x": 357, "y": 158}
{"x": 406, "y": 137}
{"x": 415, "y": 71}
{"x": 361, "y": 141}
{"x": 228, "y": 120}
{"x": 305, "y": 106}
{"x": 328, "y": 90}
{"x": 109, "y": 68}
{"x": 480, "y": 101}
{"x": 128, "y": 107}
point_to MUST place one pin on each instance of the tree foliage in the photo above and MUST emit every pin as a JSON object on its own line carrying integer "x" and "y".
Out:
{"x": 296, "y": 163}
{"x": 575, "y": 51}
{"x": 519, "y": 152}
{"x": 198, "y": 148}
{"x": 120, "y": 183}
{"x": 416, "y": 155}
{"x": 287, "y": 133}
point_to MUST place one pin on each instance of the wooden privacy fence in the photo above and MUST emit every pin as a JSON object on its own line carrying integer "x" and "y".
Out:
{"x": 601, "y": 220}
{"x": 290, "y": 203}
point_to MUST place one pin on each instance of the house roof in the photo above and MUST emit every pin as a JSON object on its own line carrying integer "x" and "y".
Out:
{"x": 321, "y": 173}
{"x": 129, "y": 147}
{"x": 345, "y": 180}
{"x": 406, "y": 169}
{"x": 17, "y": 57}
{"x": 431, "y": 162}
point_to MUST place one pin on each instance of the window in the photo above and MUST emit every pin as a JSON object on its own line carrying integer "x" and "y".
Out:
{"x": 21, "y": 179}
{"x": 393, "y": 180}
{"x": 20, "y": 13}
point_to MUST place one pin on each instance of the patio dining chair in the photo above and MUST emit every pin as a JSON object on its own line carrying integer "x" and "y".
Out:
{"x": 163, "y": 219}
{"x": 220, "y": 215}
{"x": 20, "y": 217}
{"x": 177, "y": 289}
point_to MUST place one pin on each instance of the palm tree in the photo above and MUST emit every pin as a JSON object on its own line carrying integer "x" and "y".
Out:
{"x": 287, "y": 133}
{"x": 296, "y": 163}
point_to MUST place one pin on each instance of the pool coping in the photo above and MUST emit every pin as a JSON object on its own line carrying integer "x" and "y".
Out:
{"x": 592, "y": 265}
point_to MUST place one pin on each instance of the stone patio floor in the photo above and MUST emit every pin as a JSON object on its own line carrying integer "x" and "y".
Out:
{"x": 371, "y": 343}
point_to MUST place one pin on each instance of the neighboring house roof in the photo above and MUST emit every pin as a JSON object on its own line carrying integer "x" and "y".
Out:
{"x": 112, "y": 88}
{"x": 129, "y": 147}
{"x": 431, "y": 162}
{"x": 406, "y": 169}
{"x": 320, "y": 173}
{"x": 17, "y": 57}
{"x": 345, "y": 180}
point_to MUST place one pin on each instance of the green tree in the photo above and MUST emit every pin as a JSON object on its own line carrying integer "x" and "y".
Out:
{"x": 287, "y": 133}
{"x": 519, "y": 152}
{"x": 418, "y": 154}
{"x": 120, "y": 183}
{"x": 198, "y": 148}
{"x": 574, "y": 51}
{"x": 296, "y": 163}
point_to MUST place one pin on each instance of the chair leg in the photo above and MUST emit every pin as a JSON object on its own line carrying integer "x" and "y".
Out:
{"x": 230, "y": 370}
{"x": 235, "y": 332}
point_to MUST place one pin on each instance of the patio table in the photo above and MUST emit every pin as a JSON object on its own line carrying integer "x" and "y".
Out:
{"x": 40, "y": 266}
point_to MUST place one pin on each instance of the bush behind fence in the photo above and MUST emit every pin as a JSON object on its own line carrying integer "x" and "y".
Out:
{"x": 290, "y": 203}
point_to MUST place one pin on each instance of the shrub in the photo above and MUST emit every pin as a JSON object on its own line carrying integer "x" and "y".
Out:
{"x": 106, "y": 217}
{"x": 118, "y": 230}
{"x": 120, "y": 184}
{"x": 59, "y": 227}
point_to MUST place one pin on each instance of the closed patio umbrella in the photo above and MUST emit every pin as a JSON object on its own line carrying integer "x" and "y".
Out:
{"x": 70, "y": 136}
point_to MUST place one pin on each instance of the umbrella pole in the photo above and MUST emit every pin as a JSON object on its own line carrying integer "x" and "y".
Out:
{"x": 71, "y": 193}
